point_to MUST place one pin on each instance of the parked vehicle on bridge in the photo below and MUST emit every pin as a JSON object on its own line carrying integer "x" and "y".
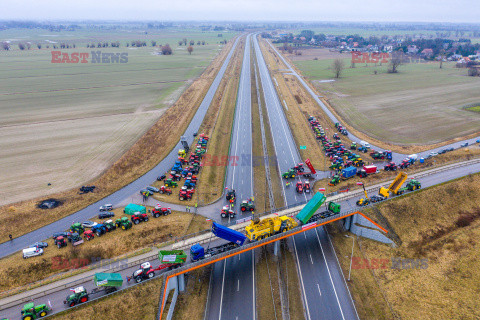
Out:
{"x": 31, "y": 311}
{"x": 104, "y": 282}
{"x": 264, "y": 228}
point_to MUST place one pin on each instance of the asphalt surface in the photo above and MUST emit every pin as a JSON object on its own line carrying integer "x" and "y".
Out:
{"x": 233, "y": 278}
{"x": 117, "y": 197}
{"x": 396, "y": 157}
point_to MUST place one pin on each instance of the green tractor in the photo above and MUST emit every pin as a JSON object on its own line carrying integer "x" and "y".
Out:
{"x": 109, "y": 225}
{"x": 413, "y": 185}
{"x": 79, "y": 295}
{"x": 336, "y": 166}
{"x": 170, "y": 183}
{"x": 353, "y": 146}
{"x": 77, "y": 227}
{"x": 123, "y": 223}
{"x": 289, "y": 174}
{"x": 247, "y": 205}
{"x": 335, "y": 180}
{"x": 30, "y": 311}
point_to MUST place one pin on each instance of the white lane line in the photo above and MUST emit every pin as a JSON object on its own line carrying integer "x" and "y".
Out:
{"x": 301, "y": 280}
{"x": 223, "y": 285}
{"x": 311, "y": 260}
{"x": 330, "y": 275}
{"x": 319, "y": 292}
{"x": 238, "y": 285}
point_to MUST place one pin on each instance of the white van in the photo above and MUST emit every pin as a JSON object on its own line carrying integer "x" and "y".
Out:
{"x": 365, "y": 144}
{"x": 32, "y": 252}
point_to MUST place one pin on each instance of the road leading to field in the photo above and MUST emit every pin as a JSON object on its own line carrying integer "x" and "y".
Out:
{"x": 45, "y": 232}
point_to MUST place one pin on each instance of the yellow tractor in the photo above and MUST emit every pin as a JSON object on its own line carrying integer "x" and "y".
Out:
{"x": 182, "y": 153}
{"x": 261, "y": 229}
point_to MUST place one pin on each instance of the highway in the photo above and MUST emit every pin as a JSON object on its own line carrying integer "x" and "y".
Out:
{"x": 117, "y": 197}
{"x": 233, "y": 278}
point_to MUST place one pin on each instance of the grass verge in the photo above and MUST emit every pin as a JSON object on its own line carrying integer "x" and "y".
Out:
{"x": 155, "y": 144}
{"x": 139, "y": 303}
{"x": 440, "y": 226}
{"x": 191, "y": 303}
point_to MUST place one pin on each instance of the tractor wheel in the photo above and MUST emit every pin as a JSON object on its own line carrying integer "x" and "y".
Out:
{"x": 251, "y": 209}
{"x": 84, "y": 299}
{"x": 29, "y": 317}
{"x": 181, "y": 199}
{"x": 98, "y": 233}
{"x": 151, "y": 275}
{"x": 146, "y": 219}
{"x": 160, "y": 191}
{"x": 138, "y": 279}
{"x": 156, "y": 215}
{"x": 87, "y": 238}
{"x": 123, "y": 227}
{"x": 136, "y": 222}
{"x": 243, "y": 209}
{"x": 358, "y": 203}
{"x": 71, "y": 304}
{"x": 224, "y": 215}
{"x": 232, "y": 215}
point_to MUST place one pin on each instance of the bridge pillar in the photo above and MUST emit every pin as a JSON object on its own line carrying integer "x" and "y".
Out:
{"x": 275, "y": 248}
{"x": 181, "y": 282}
{"x": 347, "y": 222}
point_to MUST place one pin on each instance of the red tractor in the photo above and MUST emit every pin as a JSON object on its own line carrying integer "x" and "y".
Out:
{"x": 231, "y": 196}
{"x": 138, "y": 217}
{"x": 166, "y": 190}
{"x": 306, "y": 187}
{"x": 60, "y": 242}
{"x": 185, "y": 194}
{"x": 88, "y": 235}
{"x": 391, "y": 167}
{"x": 145, "y": 272}
{"x": 159, "y": 211}
{"x": 299, "y": 187}
{"x": 299, "y": 167}
{"x": 226, "y": 212}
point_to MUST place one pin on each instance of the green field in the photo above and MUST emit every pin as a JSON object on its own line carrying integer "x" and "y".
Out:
{"x": 422, "y": 104}
{"x": 66, "y": 123}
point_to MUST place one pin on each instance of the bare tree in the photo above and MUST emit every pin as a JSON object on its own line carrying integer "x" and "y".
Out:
{"x": 337, "y": 67}
{"x": 5, "y": 46}
{"x": 395, "y": 61}
{"x": 21, "y": 46}
{"x": 154, "y": 43}
{"x": 190, "y": 49}
{"x": 192, "y": 42}
{"x": 441, "y": 57}
{"x": 166, "y": 50}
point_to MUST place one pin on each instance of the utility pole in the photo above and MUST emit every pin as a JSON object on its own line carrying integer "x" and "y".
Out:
{"x": 351, "y": 257}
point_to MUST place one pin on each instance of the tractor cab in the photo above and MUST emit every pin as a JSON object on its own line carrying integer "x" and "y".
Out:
{"x": 299, "y": 187}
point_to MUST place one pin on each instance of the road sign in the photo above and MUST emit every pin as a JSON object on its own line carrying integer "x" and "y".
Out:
{"x": 303, "y": 147}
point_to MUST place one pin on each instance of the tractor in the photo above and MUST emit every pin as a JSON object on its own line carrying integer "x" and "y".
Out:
{"x": 138, "y": 217}
{"x": 123, "y": 223}
{"x": 185, "y": 193}
{"x": 170, "y": 183}
{"x": 289, "y": 174}
{"x": 79, "y": 295}
{"x": 181, "y": 153}
{"x": 363, "y": 149}
{"x": 145, "y": 272}
{"x": 31, "y": 312}
{"x": 391, "y": 166}
{"x": 109, "y": 225}
{"x": 226, "y": 212}
{"x": 335, "y": 180}
{"x": 413, "y": 185}
{"x": 306, "y": 187}
{"x": 158, "y": 211}
{"x": 247, "y": 205}
{"x": 75, "y": 239}
{"x": 299, "y": 187}
{"x": 88, "y": 235}
{"x": 77, "y": 227}
{"x": 231, "y": 196}
{"x": 299, "y": 168}
{"x": 99, "y": 229}
{"x": 60, "y": 242}
{"x": 166, "y": 190}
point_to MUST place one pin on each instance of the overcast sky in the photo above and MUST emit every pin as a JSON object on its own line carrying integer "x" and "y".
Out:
{"x": 245, "y": 10}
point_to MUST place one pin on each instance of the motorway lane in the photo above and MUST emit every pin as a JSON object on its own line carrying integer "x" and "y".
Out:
{"x": 117, "y": 197}
{"x": 283, "y": 142}
{"x": 237, "y": 273}
{"x": 397, "y": 157}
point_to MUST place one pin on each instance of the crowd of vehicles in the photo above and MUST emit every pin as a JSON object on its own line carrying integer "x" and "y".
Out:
{"x": 231, "y": 198}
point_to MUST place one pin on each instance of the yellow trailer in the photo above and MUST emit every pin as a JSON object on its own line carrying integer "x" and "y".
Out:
{"x": 261, "y": 229}
{"x": 394, "y": 186}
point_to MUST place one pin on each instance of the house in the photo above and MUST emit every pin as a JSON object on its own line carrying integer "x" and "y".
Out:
{"x": 412, "y": 49}
{"x": 427, "y": 53}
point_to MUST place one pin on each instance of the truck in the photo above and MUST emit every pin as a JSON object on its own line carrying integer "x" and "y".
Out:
{"x": 311, "y": 207}
{"x": 348, "y": 173}
{"x": 131, "y": 208}
{"x": 264, "y": 228}
{"x": 104, "y": 282}
{"x": 333, "y": 208}
{"x": 233, "y": 237}
{"x": 172, "y": 257}
{"x": 394, "y": 187}
{"x": 31, "y": 311}
{"x": 307, "y": 174}
{"x": 367, "y": 170}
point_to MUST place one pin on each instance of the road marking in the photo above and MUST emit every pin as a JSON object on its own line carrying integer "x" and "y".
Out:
{"x": 238, "y": 285}
{"x": 223, "y": 285}
{"x": 311, "y": 260}
{"x": 301, "y": 279}
{"x": 330, "y": 275}
{"x": 319, "y": 292}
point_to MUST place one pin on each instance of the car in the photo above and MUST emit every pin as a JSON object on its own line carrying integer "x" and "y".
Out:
{"x": 433, "y": 154}
{"x": 442, "y": 151}
{"x": 104, "y": 215}
{"x": 60, "y": 234}
{"x": 162, "y": 177}
{"x": 464, "y": 145}
{"x": 450, "y": 149}
{"x": 39, "y": 244}
{"x": 106, "y": 207}
{"x": 152, "y": 189}
{"x": 32, "y": 252}
{"x": 194, "y": 134}
{"x": 89, "y": 224}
